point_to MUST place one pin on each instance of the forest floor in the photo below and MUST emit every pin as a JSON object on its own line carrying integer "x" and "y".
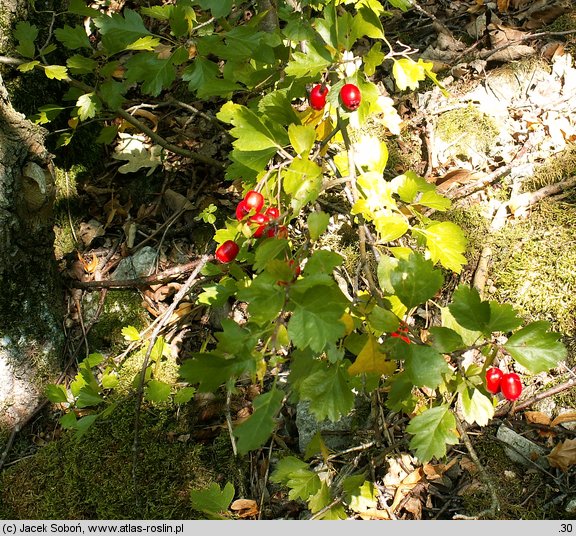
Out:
{"x": 500, "y": 143}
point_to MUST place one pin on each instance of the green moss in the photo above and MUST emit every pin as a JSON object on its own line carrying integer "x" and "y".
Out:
{"x": 556, "y": 169}
{"x": 465, "y": 132}
{"x": 121, "y": 308}
{"x": 91, "y": 477}
{"x": 533, "y": 265}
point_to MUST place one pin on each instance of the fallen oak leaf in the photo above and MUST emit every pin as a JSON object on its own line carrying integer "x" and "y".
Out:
{"x": 564, "y": 417}
{"x": 563, "y": 455}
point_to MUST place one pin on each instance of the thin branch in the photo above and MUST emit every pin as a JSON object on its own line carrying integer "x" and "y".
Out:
{"x": 190, "y": 282}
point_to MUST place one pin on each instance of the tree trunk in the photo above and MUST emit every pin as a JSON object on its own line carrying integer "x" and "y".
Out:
{"x": 31, "y": 335}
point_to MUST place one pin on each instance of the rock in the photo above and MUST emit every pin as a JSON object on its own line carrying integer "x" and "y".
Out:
{"x": 521, "y": 448}
{"x": 141, "y": 264}
{"x": 571, "y": 507}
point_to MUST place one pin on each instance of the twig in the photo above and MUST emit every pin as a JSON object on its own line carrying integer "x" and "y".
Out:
{"x": 527, "y": 403}
{"x": 161, "y": 277}
{"x": 229, "y": 423}
{"x": 190, "y": 282}
{"x": 15, "y": 430}
{"x": 495, "y": 505}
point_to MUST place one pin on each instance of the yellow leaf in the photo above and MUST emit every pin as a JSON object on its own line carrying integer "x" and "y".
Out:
{"x": 348, "y": 322}
{"x": 370, "y": 359}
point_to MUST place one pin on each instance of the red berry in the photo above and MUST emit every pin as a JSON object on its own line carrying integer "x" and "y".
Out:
{"x": 262, "y": 221}
{"x": 227, "y": 251}
{"x": 493, "y": 379}
{"x": 318, "y": 96}
{"x": 511, "y": 386}
{"x": 398, "y": 335}
{"x": 242, "y": 210}
{"x": 254, "y": 200}
{"x": 350, "y": 96}
{"x": 272, "y": 213}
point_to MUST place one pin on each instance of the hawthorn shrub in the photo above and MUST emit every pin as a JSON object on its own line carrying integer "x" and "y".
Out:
{"x": 290, "y": 150}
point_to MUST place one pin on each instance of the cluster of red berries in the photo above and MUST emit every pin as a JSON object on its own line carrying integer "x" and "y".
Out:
{"x": 509, "y": 384}
{"x": 251, "y": 207}
{"x": 401, "y": 332}
{"x": 350, "y": 97}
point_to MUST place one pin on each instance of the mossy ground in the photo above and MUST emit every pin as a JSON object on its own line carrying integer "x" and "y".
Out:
{"x": 91, "y": 477}
{"x": 524, "y": 493}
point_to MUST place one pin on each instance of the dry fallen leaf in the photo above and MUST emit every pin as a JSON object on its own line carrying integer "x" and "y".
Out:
{"x": 537, "y": 417}
{"x": 406, "y": 486}
{"x": 564, "y": 417}
{"x": 245, "y": 507}
{"x": 563, "y": 455}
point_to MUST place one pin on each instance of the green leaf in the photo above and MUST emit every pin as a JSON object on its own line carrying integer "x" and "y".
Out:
{"x": 476, "y": 407}
{"x": 88, "y": 397}
{"x": 130, "y": 333}
{"x": 425, "y": 366}
{"x": 323, "y": 261}
{"x": 469, "y": 337}
{"x": 210, "y": 370}
{"x": 79, "y": 7}
{"x": 120, "y": 31}
{"x": 113, "y": 93}
{"x": 109, "y": 380}
{"x": 28, "y": 66}
{"x": 408, "y": 73}
{"x": 158, "y": 349}
{"x": 315, "y": 322}
{"x": 265, "y": 298}
{"x": 446, "y": 340}
{"x": 219, "y": 9}
{"x": 157, "y": 391}
{"x": 212, "y": 501}
{"x": 386, "y": 267}
{"x": 83, "y": 425}
{"x": 432, "y": 430}
{"x": 415, "y": 280}
{"x": 446, "y": 243}
{"x": 469, "y": 310}
{"x": 317, "y": 224}
{"x": 361, "y": 494}
{"x": 309, "y": 64}
{"x": 257, "y": 429}
{"x": 295, "y": 474}
{"x": 269, "y": 250}
{"x": 434, "y": 200}
{"x": 68, "y": 421}
{"x": 24, "y": 31}
{"x": 382, "y": 320}
{"x": 56, "y": 394}
{"x": 204, "y": 78}
{"x": 323, "y": 499}
{"x": 329, "y": 391}
{"x": 390, "y": 226}
{"x": 303, "y": 182}
{"x": 155, "y": 73}
{"x": 58, "y": 72}
{"x": 503, "y": 318}
{"x": 184, "y": 395}
{"x": 400, "y": 396}
{"x": 373, "y": 59}
{"x": 47, "y": 113}
{"x": 148, "y": 42}
{"x": 88, "y": 105}
{"x": 78, "y": 64}
{"x": 404, "y": 5}
{"x": 535, "y": 348}
{"x": 302, "y": 138}
{"x": 251, "y": 133}
{"x": 366, "y": 23}
{"x": 73, "y": 38}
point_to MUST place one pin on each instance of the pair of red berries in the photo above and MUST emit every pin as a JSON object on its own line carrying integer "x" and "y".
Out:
{"x": 509, "y": 384}
{"x": 350, "y": 97}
